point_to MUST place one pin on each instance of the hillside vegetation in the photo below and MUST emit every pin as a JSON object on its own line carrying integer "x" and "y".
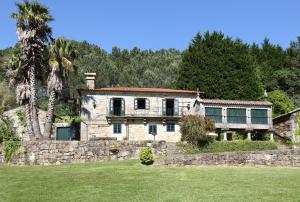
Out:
{"x": 213, "y": 62}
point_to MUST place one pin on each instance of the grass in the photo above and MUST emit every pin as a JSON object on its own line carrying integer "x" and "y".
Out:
{"x": 130, "y": 181}
{"x": 228, "y": 146}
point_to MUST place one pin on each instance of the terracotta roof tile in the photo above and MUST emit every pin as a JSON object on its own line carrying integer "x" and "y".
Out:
{"x": 141, "y": 90}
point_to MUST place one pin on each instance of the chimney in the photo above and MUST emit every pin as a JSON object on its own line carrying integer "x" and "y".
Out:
{"x": 90, "y": 80}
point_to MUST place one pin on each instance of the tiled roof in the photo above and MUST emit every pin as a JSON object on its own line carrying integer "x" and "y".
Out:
{"x": 236, "y": 102}
{"x": 287, "y": 114}
{"x": 141, "y": 90}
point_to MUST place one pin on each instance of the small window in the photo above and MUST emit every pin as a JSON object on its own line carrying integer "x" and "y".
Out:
{"x": 141, "y": 103}
{"x": 152, "y": 129}
{"x": 259, "y": 116}
{"x": 117, "y": 128}
{"x": 214, "y": 113}
{"x": 236, "y": 115}
{"x": 170, "y": 127}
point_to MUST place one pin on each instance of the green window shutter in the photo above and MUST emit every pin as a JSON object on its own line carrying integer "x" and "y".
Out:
{"x": 122, "y": 106}
{"x": 176, "y": 107}
{"x": 259, "y": 116}
{"x": 147, "y": 103}
{"x": 214, "y": 113}
{"x": 135, "y": 103}
{"x": 236, "y": 115}
{"x": 111, "y": 106}
{"x": 117, "y": 128}
{"x": 152, "y": 129}
{"x": 164, "y": 107}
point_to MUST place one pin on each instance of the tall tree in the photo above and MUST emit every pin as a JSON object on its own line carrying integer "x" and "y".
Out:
{"x": 33, "y": 32}
{"x": 271, "y": 60}
{"x": 289, "y": 78}
{"x": 221, "y": 67}
{"x": 62, "y": 55}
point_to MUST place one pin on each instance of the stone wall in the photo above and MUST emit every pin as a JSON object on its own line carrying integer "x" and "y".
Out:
{"x": 254, "y": 158}
{"x": 286, "y": 125}
{"x": 62, "y": 152}
{"x": 57, "y": 152}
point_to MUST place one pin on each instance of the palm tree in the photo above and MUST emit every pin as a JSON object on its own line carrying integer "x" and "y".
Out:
{"x": 18, "y": 74}
{"x": 33, "y": 32}
{"x": 62, "y": 56}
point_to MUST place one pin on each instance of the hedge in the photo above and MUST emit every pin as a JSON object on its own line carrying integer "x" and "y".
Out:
{"x": 229, "y": 146}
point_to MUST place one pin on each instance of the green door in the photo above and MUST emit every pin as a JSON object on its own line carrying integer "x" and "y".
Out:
{"x": 63, "y": 133}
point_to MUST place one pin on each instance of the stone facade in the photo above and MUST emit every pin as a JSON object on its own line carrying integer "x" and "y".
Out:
{"x": 59, "y": 152}
{"x": 287, "y": 124}
{"x": 96, "y": 121}
{"x": 99, "y": 120}
{"x": 254, "y": 158}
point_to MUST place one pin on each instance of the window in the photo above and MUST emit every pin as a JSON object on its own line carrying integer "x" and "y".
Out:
{"x": 152, "y": 129}
{"x": 170, "y": 107}
{"x": 259, "y": 116}
{"x": 117, "y": 106}
{"x": 170, "y": 127}
{"x": 214, "y": 113}
{"x": 117, "y": 128}
{"x": 141, "y": 103}
{"x": 236, "y": 115}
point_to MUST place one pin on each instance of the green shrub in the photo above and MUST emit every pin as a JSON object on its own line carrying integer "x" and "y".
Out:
{"x": 194, "y": 129}
{"x": 146, "y": 156}
{"x": 22, "y": 118}
{"x": 229, "y": 146}
{"x": 7, "y": 131}
{"x": 61, "y": 108}
{"x": 10, "y": 147}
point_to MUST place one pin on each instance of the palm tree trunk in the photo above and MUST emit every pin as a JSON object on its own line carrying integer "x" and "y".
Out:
{"x": 50, "y": 113}
{"x": 65, "y": 90}
{"x": 34, "y": 105}
{"x": 28, "y": 119}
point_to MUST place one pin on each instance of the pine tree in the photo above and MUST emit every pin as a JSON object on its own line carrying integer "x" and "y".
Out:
{"x": 221, "y": 67}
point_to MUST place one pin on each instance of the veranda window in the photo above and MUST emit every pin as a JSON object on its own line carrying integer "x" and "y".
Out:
{"x": 214, "y": 113}
{"x": 236, "y": 115}
{"x": 259, "y": 116}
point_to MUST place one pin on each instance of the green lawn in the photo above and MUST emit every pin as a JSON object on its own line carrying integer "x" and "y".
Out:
{"x": 130, "y": 181}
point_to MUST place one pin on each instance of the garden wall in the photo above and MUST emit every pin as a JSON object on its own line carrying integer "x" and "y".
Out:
{"x": 254, "y": 158}
{"x": 58, "y": 152}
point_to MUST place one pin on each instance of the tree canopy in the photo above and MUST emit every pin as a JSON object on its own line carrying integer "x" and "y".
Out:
{"x": 221, "y": 67}
{"x": 216, "y": 64}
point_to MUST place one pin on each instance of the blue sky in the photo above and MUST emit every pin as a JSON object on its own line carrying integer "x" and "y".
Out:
{"x": 156, "y": 24}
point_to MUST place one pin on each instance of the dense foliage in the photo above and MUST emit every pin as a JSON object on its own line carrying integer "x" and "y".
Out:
{"x": 228, "y": 146}
{"x": 195, "y": 128}
{"x": 216, "y": 64}
{"x": 281, "y": 102}
{"x": 146, "y": 156}
{"x": 8, "y": 136}
{"x": 221, "y": 67}
{"x": 7, "y": 131}
{"x": 130, "y": 68}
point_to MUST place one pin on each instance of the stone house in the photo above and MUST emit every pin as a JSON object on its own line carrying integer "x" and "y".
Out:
{"x": 148, "y": 113}
{"x": 286, "y": 125}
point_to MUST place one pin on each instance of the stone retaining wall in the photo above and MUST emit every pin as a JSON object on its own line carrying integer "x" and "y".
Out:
{"x": 57, "y": 152}
{"x": 254, "y": 158}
